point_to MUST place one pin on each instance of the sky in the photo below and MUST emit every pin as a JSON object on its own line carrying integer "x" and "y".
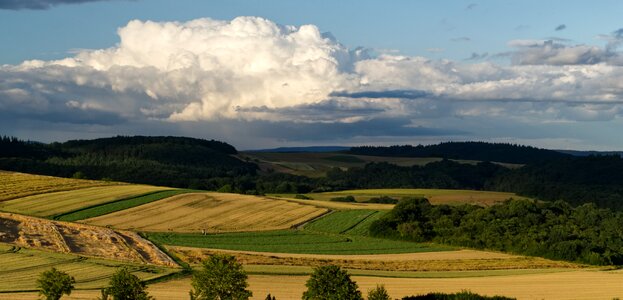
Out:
{"x": 261, "y": 74}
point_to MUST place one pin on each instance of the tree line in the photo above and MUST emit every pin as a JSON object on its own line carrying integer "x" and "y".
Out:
{"x": 222, "y": 277}
{"x": 554, "y": 230}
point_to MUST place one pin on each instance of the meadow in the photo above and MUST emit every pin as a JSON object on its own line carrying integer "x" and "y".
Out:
{"x": 211, "y": 212}
{"x": 56, "y": 203}
{"x": 17, "y": 185}
{"x": 20, "y": 268}
{"x": 293, "y": 241}
{"x": 435, "y": 196}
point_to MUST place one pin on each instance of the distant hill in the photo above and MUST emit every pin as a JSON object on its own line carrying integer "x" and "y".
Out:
{"x": 163, "y": 160}
{"x": 313, "y": 149}
{"x": 589, "y": 153}
{"x": 481, "y": 151}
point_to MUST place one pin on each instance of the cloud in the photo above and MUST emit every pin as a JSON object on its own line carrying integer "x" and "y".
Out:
{"x": 461, "y": 39}
{"x": 435, "y": 50}
{"x": 478, "y": 56}
{"x": 219, "y": 78}
{"x": 560, "y": 27}
{"x": 471, "y": 6}
{"x": 38, "y": 4}
{"x": 550, "y": 52}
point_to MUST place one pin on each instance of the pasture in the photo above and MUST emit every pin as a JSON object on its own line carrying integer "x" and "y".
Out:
{"x": 56, "y": 203}
{"x": 435, "y": 196}
{"x": 211, "y": 212}
{"x": 293, "y": 241}
{"x": 17, "y": 185}
{"x": 20, "y": 268}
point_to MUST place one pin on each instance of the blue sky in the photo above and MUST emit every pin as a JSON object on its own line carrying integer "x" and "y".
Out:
{"x": 410, "y": 27}
{"x": 545, "y": 73}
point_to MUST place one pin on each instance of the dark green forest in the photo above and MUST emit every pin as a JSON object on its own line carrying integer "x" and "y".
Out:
{"x": 495, "y": 152}
{"x": 553, "y": 230}
{"x": 211, "y": 165}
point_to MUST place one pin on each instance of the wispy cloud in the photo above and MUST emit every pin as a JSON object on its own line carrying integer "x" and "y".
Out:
{"x": 461, "y": 39}
{"x": 471, "y": 6}
{"x": 38, "y": 4}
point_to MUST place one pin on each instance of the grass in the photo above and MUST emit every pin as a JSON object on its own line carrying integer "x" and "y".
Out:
{"x": 351, "y": 222}
{"x": 20, "y": 268}
{"x": 306, "y": 270}
{"x": 436, "y": 196}
{"x": 52, "y": 204}
{"x": 17, "y": 185}
{"x": 119, "y": 205}
{"x": 293, "y": 241}
{"x": 211, "y": 212}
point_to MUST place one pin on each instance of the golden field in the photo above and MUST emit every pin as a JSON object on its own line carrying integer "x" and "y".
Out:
{"x": 54, "y": 203}
{"x": 16, "y": 185}
{"x": 212, "y": 212}
{"x": 577, "y": 285}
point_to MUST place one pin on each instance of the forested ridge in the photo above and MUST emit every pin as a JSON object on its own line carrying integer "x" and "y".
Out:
{"x": 169, "y": 161}
{"x": 494, "y": 152}
{"x": 211, "y": 165}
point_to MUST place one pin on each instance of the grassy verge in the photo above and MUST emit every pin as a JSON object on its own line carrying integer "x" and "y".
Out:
{"x": 110, "y": 207}
{"x": 294, "y": 241}
{"x": 304, "y": 270}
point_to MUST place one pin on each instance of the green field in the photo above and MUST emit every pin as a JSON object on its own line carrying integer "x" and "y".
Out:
{"x": 52, "y": 204}
{"x": 436, "y": 196}
{"x": 110, "y": 207}
{"x": 350, "y": 222}
{"x": 293, "y": 241}
{"x": 20, "y": 268}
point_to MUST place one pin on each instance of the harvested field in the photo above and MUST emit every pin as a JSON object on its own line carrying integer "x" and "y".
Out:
{"x": 462, "y": 260}
{"x": 110, "y": 207}
{"x": 17, "y": 185}
{"x": 435, "y": 196}
{"x": 212, "y": 212}
{"x": 577, "y": 285}
{"x": 294, "y": 241}
{"x": 20, "y": 268}
{"x": 334, "y": 205}
{"x": 51, "y": 204}
{"x": 79, "y": 239}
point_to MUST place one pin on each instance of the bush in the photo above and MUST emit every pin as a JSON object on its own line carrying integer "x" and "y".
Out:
{"x": 383, "y": 200}
{"x": 331, "y": 282}
{"x": 378, "y": 293}
{"x": 303, "y": 197}
{"x": 53, "y": 284}
{"x": 344, "y": 199}
{"x": 464, "y": 295}
{"x": 222, "y": 278}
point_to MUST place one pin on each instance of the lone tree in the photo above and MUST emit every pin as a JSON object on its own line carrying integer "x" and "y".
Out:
{"x": 125, "y": 286}
{"x": 331, "y": 282}
{"x": 378, "y": 293}
{"x": 222, "y": 278}
{"x": 52, "y": 284}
